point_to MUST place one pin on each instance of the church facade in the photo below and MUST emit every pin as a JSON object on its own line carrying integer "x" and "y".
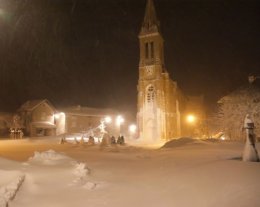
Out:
{"x": 160, "y": 101}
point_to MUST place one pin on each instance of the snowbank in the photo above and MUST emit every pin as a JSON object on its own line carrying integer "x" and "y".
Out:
{"x": 81, "y": 170}
{"x": 192, "y": 173}
{"x": 49, "y": 157}
{"x": 76, "y": 173}
{"x": 182, "y": 142}
{"x": 8, "y": 191}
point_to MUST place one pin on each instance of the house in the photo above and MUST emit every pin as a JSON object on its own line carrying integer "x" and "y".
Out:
{"x": 79, "y": 119}
{"x": 38, "y": 118}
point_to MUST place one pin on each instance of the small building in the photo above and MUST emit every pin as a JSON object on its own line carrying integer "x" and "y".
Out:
{"x": 38, "y": 118}
{"x": 79, "y": 119}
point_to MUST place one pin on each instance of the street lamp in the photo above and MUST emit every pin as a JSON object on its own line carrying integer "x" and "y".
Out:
{"x": 191, "y": 118}
{"x": 108, "y": 119}
{"x": 132, "y": 128}
{"x": 119, "y": 121}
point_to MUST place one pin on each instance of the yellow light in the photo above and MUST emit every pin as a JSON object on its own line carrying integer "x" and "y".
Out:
{"x": 191, "y": 118}
{"x": 222, "y": 137}
{"x": 132, "y": 128}
{"x": 57, "y": 116}
{"x": 108, "y": 119}
{"x": 119, "y": 120}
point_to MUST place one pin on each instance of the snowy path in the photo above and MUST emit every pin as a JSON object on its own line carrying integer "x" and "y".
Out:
{"x": 205, "y": 175}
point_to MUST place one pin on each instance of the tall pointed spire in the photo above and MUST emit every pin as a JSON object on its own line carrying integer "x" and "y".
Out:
{"x": 150, "y": 23}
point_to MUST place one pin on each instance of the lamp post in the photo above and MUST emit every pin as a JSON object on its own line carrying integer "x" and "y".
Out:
{"x": 119, "y": 121}
{"x": 191, "y": 119}
{"x": 132, "y": 130}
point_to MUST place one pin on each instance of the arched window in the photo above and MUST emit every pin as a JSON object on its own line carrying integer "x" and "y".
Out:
{"x": 149, "y": 50}
{"x": 152, "y": 49}
{"x": 146, "y": 50}
{"x": 150, "y": 94}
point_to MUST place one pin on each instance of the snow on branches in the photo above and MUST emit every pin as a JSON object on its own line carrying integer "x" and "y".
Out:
{"x": 234, "y": 107}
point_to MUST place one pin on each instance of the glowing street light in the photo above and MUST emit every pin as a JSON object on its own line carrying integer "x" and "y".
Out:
{"x": 191, "y": 118}
{"x": 108, "y": 119}
{"x": 132, "y": 128}
{"x": 119, "y": 120}
{"x": 58, "y": 115}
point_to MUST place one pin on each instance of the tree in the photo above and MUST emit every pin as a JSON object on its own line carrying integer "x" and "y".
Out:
{"x": 234, "y": 107}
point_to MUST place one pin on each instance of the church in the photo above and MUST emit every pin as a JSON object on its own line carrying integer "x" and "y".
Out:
{"x": 161, "y": 103}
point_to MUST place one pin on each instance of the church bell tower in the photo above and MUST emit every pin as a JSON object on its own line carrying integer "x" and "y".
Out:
{"x": 151, "y": 100}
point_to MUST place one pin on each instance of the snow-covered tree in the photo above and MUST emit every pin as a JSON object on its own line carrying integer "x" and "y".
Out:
{"x": 234, "y": 107}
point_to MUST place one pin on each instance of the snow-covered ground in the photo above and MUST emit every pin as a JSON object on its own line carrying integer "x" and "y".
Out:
{"x": 183, "y": 173}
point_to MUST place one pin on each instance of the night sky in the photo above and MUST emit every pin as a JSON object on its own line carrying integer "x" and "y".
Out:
{"x": 86, "y": 52}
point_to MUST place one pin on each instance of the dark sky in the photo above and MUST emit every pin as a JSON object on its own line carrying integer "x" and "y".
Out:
{"x": 86, "y": 51}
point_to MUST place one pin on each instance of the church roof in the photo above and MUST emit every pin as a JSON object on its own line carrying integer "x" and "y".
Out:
{"x": 150, "y": 23}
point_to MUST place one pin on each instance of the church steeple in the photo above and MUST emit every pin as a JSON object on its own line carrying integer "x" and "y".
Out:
{"x": 158, "y": 108}
{"x": 151, "y": 40}
{"x": 150, "y": 23}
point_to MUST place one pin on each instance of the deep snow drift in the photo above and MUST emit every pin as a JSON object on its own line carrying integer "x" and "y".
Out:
{"x": 182, "y": 173}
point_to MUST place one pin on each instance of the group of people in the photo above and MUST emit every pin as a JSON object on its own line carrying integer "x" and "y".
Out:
{"x": 107, "y": 140}
{"x": 16, "y": 133}
{"x": 120, "y": 140}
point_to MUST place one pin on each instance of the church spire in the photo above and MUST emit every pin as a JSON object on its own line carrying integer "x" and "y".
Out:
{"x": 150, "y": 23}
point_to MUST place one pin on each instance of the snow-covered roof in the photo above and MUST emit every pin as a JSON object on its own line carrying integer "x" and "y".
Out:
{"x": 44, "y": 125}
{"x": 88, "y": 111}
{"x": 32, "y": 104}
{"x": 250, "y": 91}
